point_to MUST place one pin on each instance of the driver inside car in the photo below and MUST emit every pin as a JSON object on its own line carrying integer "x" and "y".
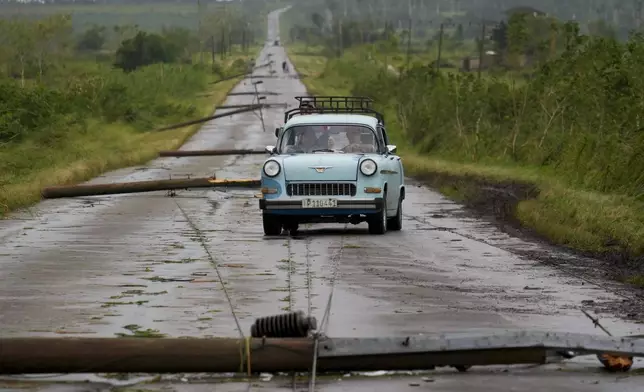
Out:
{"x": 307, "y": 142}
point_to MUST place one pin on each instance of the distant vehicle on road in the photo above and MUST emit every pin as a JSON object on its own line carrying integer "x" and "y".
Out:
{"x": 276, "y": 43}
{"x": 332, "y": 163}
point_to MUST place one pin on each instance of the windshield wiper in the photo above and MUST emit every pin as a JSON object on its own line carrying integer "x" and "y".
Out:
{"x": 323, "y": 150}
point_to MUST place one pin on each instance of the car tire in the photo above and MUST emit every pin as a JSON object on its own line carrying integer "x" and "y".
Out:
{"x": 395, "y": 223}
{"x": 378, "y": 222}
{"x": 272, "y": 224}
{"x": 292, "y": 228}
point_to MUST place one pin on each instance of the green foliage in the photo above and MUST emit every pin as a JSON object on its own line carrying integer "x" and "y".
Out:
{"x": 92, "y": 39}
{"x": 577, "y": 113}
{"x": 580, "y": 114}
{"x": 142, "y": 98}
{"x": 145, "y": 49}
{"x": 621, "y": 15}
{"x": 148, "y": 16}
{"x": 58, "y": 89}
{"x": 67, "y": 113}
{"x": 183, "y": 39}
{"x": 29, "y": 48}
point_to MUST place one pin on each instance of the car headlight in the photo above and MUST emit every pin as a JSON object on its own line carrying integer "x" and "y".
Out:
{"x": 272, "y": 168}
{"x": 368, "y": 167}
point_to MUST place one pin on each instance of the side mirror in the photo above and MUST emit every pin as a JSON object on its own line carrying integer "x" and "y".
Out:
{"x": 270, "y": 149}
{"x": 277, "y": 131}
{"x": 391, "y": 149}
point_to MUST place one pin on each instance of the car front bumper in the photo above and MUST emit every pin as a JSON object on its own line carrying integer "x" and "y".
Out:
{"x": 344, "y": 207}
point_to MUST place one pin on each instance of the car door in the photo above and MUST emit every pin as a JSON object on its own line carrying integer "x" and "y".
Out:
{"x": 391, "y": 172}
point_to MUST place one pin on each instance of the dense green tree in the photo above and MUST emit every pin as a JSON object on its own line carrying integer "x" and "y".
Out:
{"x": 93, "y": 39}
{"x": 145, "y": 49}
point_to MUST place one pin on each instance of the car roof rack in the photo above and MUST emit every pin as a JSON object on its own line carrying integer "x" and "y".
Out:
{"x": 325, "y": 104}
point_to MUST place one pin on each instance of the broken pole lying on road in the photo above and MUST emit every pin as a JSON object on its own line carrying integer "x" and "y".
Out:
{"x": 204, "y": 153}
{"x": 57, "y": 192}
{"x": 231, "y": 77}
{"x": 262, "y": 105}
{"x": 247, "y": 73}
{"x": 242, "y": 93}
{"x": 255, "y": 355}
{"x": 254, "y": 93}
{"x": 245, "y": 109}
{"x": 268, "y": 64}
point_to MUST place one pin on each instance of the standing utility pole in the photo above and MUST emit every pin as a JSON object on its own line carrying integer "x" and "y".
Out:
{"x": 409, "y": 43}
{"x": 199, "y": 31}
{"x": 340, "y": 39}
{"x": 440, "y": 48}
{"x": 481, "y": 48}
{"x": 212, "y": 51}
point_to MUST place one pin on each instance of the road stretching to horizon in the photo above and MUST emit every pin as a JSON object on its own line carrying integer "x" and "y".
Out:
{"x": 92, "y": 266}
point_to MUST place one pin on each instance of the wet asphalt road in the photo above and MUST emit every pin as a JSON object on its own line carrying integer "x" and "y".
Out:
{"x": 91, "y": 266}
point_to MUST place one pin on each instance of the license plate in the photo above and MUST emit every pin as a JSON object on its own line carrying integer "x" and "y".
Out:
{"x": 319, "y": 203}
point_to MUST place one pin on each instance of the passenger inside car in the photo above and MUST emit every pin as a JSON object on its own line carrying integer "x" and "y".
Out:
{"x": 336, "y": 138}
{"x": 359, "y": 142}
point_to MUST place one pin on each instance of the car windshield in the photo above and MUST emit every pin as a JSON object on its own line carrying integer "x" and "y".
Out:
{"x": 308, "y": 139}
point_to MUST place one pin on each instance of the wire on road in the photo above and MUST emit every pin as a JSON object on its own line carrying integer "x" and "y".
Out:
{"x": 327, "y": 313}
{"x": 214, "y": 264}
{"x": 245, "y": 351}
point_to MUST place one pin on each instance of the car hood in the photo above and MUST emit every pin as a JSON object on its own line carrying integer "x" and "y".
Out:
{"x": 332, "y": 167}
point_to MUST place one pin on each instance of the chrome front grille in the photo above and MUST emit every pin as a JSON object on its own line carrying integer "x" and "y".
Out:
{"x": 321, "y": 189}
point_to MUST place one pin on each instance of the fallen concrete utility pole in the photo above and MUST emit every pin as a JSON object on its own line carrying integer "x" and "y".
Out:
{"x": 247, "y": 73}
{"x": 57, "y": 192}
{"x": 204, "y": 153}
{"x": 261, "y": 105}
{"x": 254, "y": 355}
{"x": 241, "y": 93}
{"x": 253, "y": 93}
{"x": 244, "y": 109}
{"x": 231, "y": 77}
{"x": 268, "y": 64}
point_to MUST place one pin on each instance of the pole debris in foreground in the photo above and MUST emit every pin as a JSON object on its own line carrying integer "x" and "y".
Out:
{"x": 610, "y": 362}
{"x": 58, "y": 192}
{"x": 295, "y": 353}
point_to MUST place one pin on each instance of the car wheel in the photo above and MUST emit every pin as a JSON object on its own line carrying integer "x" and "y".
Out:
{"x": 292, "y": 228}
{"x": 395, "y": 223}
{"x": 272, "y": 224}
{"x": 378, "y": 222}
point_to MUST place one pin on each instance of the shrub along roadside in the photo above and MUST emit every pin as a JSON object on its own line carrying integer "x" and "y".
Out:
{"x": 98, "y": 121}
{"x": 582, "y": 158}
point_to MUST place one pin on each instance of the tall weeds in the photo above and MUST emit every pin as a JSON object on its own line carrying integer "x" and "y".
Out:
{"x": 580, "y": 116}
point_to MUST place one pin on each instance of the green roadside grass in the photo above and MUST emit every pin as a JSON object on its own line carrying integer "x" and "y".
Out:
{"x": 595, "y": 223}
{"x": 98, "y": 147}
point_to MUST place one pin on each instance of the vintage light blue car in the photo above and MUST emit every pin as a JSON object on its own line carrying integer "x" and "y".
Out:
{"x": 332, "y": 163}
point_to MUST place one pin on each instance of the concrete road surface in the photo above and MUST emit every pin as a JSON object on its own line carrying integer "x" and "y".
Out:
{"x": 93, "y": 266}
